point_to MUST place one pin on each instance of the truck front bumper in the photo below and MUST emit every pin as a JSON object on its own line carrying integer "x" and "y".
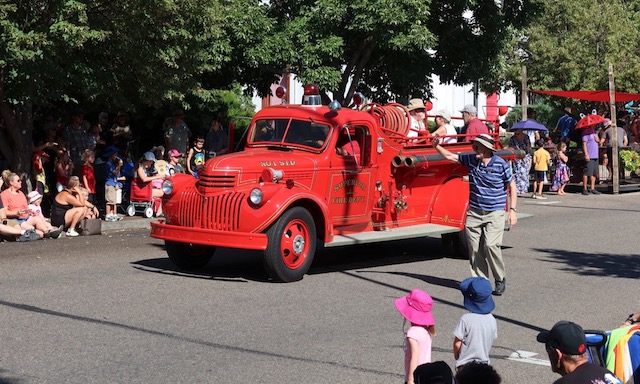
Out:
{"x": 240, "y": 240}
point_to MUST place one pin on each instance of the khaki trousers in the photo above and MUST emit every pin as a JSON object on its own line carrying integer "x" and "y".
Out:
{"x": 484, "y": 230}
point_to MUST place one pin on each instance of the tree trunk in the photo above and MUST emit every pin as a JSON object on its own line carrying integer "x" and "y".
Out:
{"x": 19, "y": 136}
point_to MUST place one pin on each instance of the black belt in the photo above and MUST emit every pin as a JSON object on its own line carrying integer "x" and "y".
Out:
{"x": 481, "y": 211}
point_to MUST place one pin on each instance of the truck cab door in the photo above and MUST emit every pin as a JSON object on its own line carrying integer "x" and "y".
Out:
{"x": 351, "y": 183}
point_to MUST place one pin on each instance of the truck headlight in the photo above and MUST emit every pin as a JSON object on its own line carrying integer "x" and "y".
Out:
{"x": 167, "y": 187}
{"x": 255, "y": 196}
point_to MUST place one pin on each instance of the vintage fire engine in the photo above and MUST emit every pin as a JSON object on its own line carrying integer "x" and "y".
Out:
{"x": 310, "y": 175}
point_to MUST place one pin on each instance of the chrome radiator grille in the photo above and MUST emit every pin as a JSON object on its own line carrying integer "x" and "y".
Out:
{"x": 206, "y": 181}
{"x": 220, "y": 212}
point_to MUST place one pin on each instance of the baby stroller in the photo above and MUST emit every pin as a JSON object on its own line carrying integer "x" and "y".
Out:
{"x": 618, "y": 351}
{"x": 141, "y": 200}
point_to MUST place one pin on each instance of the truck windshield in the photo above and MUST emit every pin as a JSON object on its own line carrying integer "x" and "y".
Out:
{"x": 297, "y": 132}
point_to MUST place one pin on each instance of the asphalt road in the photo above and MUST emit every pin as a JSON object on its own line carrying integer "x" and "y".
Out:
{"x": 113, "y": 309}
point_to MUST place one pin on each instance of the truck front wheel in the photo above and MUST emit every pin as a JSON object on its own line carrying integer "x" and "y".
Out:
{"x": 292, "y": 245}
{"x": 189, "y": 256}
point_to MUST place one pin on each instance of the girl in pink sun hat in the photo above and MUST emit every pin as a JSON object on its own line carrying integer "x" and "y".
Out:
{"x": 415, "y": 307}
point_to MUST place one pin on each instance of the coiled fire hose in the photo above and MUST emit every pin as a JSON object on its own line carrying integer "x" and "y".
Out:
{"x": 393, "y": 117}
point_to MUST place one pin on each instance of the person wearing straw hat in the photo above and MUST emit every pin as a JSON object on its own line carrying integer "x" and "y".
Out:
{"x": 476, "y": 330}
{"x": 489, "y": 179}
{"x": 417, "y": 112}
{"x": 415, "y": 308}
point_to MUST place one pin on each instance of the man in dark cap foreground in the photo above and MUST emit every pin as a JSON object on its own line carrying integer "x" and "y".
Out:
{"x": 566, "y": 346}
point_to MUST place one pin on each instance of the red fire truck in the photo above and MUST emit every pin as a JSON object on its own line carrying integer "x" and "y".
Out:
{"x": 312, "y": 174}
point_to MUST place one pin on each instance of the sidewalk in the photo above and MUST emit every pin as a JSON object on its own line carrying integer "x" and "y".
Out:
{"x": 133, "y": 222}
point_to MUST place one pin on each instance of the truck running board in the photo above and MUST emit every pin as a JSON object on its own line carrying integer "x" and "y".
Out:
{"x": 414, "y": 231}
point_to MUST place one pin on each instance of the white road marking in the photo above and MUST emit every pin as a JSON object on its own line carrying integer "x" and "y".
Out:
{"x": 527, "y": 357}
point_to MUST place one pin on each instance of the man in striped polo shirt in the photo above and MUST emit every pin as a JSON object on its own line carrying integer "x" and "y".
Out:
{"x": 489, "y": 178}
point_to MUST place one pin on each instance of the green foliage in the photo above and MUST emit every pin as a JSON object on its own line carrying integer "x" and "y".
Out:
{"x": 570, "y": 44}
{"x": 631, "y": 159}
{"x": 389, "y": 49}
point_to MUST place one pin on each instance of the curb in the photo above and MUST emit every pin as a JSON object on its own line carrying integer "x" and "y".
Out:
{"x": 128, "y": 223}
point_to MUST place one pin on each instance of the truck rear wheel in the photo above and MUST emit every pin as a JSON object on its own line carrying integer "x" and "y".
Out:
{"x": 292, "y": 245}
{"x": 455, "y": 244}
{"x": 189, "y": 256}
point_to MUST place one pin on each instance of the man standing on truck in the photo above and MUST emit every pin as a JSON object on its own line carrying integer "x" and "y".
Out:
{"x": 489, "y": 178}
{"x": 473, "y": 124}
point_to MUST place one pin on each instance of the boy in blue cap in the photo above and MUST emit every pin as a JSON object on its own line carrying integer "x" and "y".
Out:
{"x": 476, "y": 330}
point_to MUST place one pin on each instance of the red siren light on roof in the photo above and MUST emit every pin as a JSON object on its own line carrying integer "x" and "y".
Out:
{"x": 311, "y": 95}
{"x": 281, "y": 92}
{"x": 358, "y": 99}
{"x": 311, "y": 89}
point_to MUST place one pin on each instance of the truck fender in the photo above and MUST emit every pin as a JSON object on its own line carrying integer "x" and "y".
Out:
{"x": 315, "y": 204}
{"x": 451, "y": 203}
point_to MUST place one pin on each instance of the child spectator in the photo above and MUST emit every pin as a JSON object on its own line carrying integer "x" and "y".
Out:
{"x": 561, "y": 176}
{"x": 415, "y": 307}
{"x": 90, "y": 213}
{"x": 39, "y": 175}
{"x": 35, "y": 199}
{"x": 88, "y": 174}
{"x": 476, "y": 330}
{"x": 195, "y": 158}
{"x": 541, "y": 161}
{"x": 174, "y": 166}
{"x": 64, "y": 169}
{"x": 112, "y": 183}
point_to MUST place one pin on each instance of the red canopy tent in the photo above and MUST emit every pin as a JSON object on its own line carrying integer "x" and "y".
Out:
{"x": 602, "y": 96}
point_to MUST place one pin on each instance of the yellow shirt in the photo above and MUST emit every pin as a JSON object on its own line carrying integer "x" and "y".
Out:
{"x": 541, "y": 159}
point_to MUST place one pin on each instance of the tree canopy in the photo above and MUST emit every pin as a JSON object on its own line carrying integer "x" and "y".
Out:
{"x": 135, "y": 54}
{"x": 569, "y": 45}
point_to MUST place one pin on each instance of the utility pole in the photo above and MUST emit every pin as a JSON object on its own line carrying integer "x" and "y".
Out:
{"x": 524, "y": 92}
{"x": 614, "y": 147}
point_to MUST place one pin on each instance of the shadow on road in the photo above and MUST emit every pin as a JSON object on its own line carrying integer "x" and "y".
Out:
{"x": 595, "y": 264}
{"x": 236, "y": 265}
{"x": 7, "y": 380}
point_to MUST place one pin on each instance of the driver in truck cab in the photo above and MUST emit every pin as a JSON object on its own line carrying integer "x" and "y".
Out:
{"x": 344, "y": 146}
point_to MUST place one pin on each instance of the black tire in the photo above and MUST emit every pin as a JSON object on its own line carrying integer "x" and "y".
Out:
{"x": 189, "y": 256}
{"x": 292, "y": 245}
{"x": 455, "y": 245}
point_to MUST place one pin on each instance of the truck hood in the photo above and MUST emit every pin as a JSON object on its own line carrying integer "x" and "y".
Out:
{"x": 246, "y": 167}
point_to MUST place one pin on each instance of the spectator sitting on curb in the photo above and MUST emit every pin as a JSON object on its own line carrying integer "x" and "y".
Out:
{"x": 15, "y": 203}
{"x": 69, "y": 207}
{"x": 14, "y": 231}
{"x": 35, "y": 199}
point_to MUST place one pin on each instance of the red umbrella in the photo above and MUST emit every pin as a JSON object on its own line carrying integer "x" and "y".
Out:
{"x": 589, "y": 120}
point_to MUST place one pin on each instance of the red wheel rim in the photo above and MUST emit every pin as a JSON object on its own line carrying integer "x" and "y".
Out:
{"x": 294, "y": 243}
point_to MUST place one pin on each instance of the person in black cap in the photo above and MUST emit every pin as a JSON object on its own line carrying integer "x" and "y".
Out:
{"x": 490, "y": 177}
{"x": 566, "y": 346}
